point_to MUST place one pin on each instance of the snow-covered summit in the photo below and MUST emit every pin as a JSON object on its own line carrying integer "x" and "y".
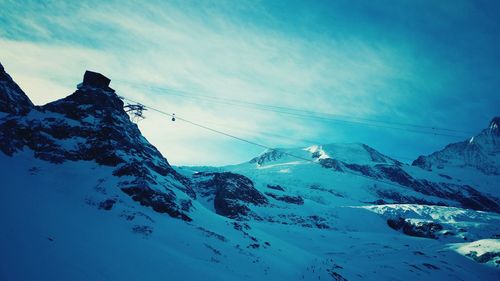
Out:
{"x": 352, "y": 153}
{"x": 355, "y": 173}
{"x": 356, "y": 153}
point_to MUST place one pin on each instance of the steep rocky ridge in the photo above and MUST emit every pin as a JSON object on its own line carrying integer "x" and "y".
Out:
{"x": 481, "y": 152}
{"x": 12, "y": 99}
{"x": 91, "y": 125}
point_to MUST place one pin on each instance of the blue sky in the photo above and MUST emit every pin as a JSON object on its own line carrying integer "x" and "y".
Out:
{"x": 433, "y": 63}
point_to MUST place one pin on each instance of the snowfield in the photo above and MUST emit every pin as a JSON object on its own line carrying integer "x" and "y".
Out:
{"x": 55, "y": 226}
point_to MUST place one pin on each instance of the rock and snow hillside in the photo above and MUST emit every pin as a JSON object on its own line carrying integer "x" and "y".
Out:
{"x": 353, "y": 174}
{"x": 476, "y": 161}
{"x": 86, "y": 197}
{"x": 91, "y": 125}
{"x": 480, "y": 152}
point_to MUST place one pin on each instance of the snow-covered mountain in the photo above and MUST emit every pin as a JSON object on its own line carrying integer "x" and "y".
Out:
{"x": 353, "y": 174}
{"x": 481, "y": 152}
{"x": 86, "y": 197}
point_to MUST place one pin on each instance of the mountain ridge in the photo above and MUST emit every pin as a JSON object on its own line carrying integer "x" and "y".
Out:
{"x": 90, "y": 124}
{"x": 480, "y": 152}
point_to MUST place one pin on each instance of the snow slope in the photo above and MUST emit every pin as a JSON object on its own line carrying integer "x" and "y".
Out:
{"x": 59, "y": 231}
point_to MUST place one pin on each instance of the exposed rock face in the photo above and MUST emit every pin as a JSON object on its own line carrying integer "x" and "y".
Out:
{"x": 466, "y": 196}
{"x": 481, "y": 152}
{"x": 393, "y": 197}
{"x": 275, "y": 187}
{"x": 330, "y": 163}
{"x": 231, "y": 193}
{"x": 363, "y": 169}
{"x": 12, "y": 99}
{"x": 376, "y": 156}
{"x": 269, "y": 156}
{"x": 417, "y": 229}
{"x": 162, "y": 202}
{"x": 91, "y": 125}
{"x": 287, "y": 198}
{"x": 488, "y": 257}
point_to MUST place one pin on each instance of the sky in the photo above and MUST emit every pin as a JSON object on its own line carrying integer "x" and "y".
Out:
{"x": 375, "y": 72}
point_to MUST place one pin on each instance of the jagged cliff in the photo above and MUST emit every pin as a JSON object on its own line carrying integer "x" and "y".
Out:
{"x": 91, "y": 125}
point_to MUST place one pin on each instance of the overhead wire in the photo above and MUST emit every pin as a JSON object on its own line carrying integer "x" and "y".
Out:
{"x": 171, "y": 115}
{"x": 300, "y": 113}
{"x": 308, "y": 142}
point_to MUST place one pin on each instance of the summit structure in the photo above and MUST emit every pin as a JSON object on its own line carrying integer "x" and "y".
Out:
{"x": 95, "y": 80}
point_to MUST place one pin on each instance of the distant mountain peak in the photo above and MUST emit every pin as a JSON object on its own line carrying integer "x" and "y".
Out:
{"x": 352, "y": 153}
{"x": 481, "y": 152}
{"x": 269, "y": 155}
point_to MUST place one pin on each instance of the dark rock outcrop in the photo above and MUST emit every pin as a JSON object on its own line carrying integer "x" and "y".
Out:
{"x": 376, "y": 156}
{"x": 12, "y": 99}
{"x": 465, "y": 195}
{"x": 397, "y": 198}
{"x": 417, "y": 229}
{"x": 365, "y": 170}
{"x": 331, "y": 163}
{"x": 486, "y": 257}
{"x": 268, "y": 156}
{"x": 287, "y": 198}
{"x": 275, "y": 187}
{"x": 422, "y": 162}
{"x": 161, "y": 202}
{"x": 107, "y": 204}
{"x": 232, "y": 193}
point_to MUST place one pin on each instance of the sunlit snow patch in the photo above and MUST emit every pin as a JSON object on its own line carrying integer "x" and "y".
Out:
{"x": 485, "y": 251}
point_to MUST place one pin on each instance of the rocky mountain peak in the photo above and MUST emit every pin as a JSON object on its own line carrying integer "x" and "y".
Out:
{"x": 269, "y": 155}
{"x": 91, "y": 125}
{"x": 480, "y": 152}
{"x": 92, "y": 97}
{"x": 12, "y": 99}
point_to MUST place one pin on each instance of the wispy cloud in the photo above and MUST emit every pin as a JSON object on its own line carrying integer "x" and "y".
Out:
{"x": 246, "y": 53}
